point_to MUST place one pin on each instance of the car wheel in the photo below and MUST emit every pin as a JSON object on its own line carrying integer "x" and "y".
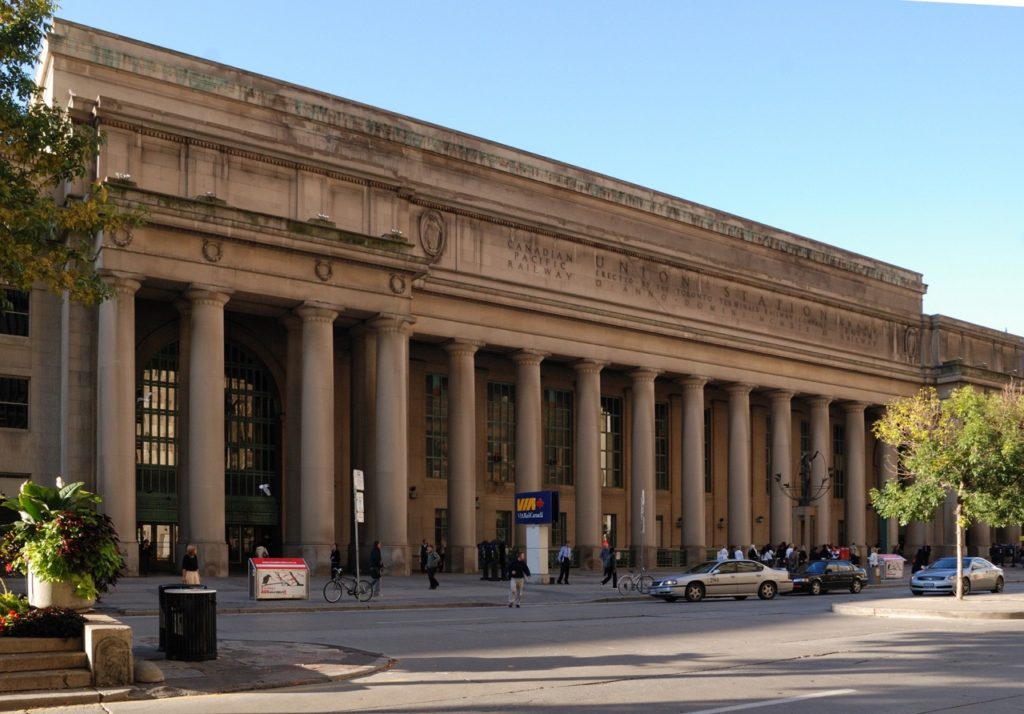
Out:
{"x": 739, "y": 597}
{"x": 767, "y": 590}
{"x": 855, "y": 586}
{"x": 967, "y": 586}
{"x": 815, "y": 587}
{"x": 695, "y": 592}
{"x": 999, "y": 585}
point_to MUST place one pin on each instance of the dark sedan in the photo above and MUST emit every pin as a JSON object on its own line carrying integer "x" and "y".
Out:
{"x": 820, "y": 576}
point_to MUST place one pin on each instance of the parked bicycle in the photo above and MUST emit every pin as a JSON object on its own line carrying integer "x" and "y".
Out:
{"x": 342, "y": 583}
{"x": 640, "y": 582}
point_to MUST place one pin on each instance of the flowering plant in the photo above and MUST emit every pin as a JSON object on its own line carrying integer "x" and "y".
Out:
{"x": 61, "y": 537}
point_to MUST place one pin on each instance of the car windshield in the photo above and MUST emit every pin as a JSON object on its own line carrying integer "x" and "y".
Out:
{"x": 948, "y": 564}
{"x": 815, "y": 566}
{"x": 705, "y": 567}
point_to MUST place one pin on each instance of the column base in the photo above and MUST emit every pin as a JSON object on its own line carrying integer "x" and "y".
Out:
{"x": 644, "y": 555}
{"x": 317, "y": 557}
{"x": 213, "y": 558}
{"x": 131, "y": 559}
{"x": 460, "y": 559}
{"x": 589, "y": 557}
{"x": 396, "y": 558}
{"x": 695, "y": 554}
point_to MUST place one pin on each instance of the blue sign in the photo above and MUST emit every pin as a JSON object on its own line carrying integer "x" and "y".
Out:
{"x": 536, "y": 507}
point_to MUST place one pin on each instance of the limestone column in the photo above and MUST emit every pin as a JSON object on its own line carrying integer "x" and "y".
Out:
{"x": 462, "y": 455}
{"x": 588, "y": 463}
{"x": 391, "y": 481}
{"x": 889, "y": 464}
{"x": 694, "y": 531}
{"x": 739, "y": 465}
{"x": 206, "y": 429}
{"x": 821, "y": 457}
{"x": 292, "y": 428}
{"x": 643, "y": 496}
{"x": 115, "y": 412}
{"x": 782, "y": 467}
{"x": 528, "y": 426}
{"x": 316, "y": 530}
{"x": 856, "y": 487}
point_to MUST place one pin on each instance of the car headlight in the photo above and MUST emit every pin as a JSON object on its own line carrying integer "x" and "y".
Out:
{"x": 799, "y": 580}
{"x": 669, "y": 582}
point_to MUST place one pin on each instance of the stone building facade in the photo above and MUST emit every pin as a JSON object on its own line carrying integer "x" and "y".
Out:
{"x": 322, "y": 286}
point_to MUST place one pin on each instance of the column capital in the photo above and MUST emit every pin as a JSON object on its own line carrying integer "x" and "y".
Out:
{"x": 390, "y": 322}
{"x": 316, "y": 312}
{"x": 780, "y": 395}
{"x": 462, "y": 347}
{"x": 738, "y": 388}
{"x": 644, "y": 374}
{"x": 529, "y": 357}
{"x": 854, "y": 407}
{"x": 693, "y": 382}
{"x": 122, "y": 282}
{"x": 589, "y": 366}
{"x": 290, "y": 321}
{"x": 818, "y": 401}
{"x": 208, "y": 295}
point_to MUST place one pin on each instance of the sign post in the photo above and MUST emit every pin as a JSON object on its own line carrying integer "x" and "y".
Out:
{"x": 537, "y": 510}
{"x": 357, "y": 507}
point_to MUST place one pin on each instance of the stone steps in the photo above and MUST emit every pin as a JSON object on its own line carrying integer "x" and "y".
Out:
{"x": 43, "y": 663}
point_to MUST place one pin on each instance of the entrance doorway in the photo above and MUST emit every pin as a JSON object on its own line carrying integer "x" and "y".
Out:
{"x": 162, "y": 537}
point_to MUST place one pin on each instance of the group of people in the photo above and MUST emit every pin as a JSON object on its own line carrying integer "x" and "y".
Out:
{"x": 788, "y": 555}
{"x": 375, "y": 565}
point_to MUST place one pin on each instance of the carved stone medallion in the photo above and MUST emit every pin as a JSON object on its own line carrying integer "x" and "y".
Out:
{"x": 432, "y": 233}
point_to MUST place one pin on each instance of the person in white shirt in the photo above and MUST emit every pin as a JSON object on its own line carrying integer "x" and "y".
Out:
{"x": 723, "y": 554}
{"x": 564, "y": 561}
{"x": 738, "y": 553}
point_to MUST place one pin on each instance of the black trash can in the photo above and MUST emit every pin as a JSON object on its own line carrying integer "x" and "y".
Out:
{"x": 191, "y": 624}
{"x": 163, "y": 609}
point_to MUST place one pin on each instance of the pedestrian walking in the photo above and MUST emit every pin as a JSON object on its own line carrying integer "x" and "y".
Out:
{"x": 335, "y": 559}
{"x": 145, "y": 556}
{"x": 517, "y": 571}
{"x": 564, "y": 561}
{"x": 376, "y": 566}
{"x": 608, "y": 561}
{"x": 190, "y": 566}
{"x": 423, "y": 555}
{"x": 432, "y": 561}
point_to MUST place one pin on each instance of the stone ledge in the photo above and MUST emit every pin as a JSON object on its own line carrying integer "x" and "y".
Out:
{"x": 108, "y": 644}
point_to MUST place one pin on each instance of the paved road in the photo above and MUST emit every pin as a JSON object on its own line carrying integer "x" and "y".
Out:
{"x": 789, "y": 655}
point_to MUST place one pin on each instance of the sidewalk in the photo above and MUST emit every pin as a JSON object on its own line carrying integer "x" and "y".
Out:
{"x": 243, "y": 666}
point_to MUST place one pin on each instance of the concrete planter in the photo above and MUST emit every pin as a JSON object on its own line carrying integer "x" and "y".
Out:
{"x": 60, "y": 594}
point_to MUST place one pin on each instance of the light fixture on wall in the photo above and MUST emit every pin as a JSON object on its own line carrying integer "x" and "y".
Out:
{"x": 721, "y": 523}
{"x": 759, "y": 519}
{"x": 679, "y": 522}
{"x": 412, "y": 493}
{"x": 478, "y": 503}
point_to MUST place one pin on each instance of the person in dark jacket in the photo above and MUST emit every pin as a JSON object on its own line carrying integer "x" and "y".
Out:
{"x": 608, "y": 561}
{"x": 376, "y": 565}
{"x": 517, "y": 571}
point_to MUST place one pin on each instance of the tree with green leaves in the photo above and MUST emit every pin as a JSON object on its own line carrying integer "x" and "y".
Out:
{"x": 46, "y": 237}
{"x": 969, "y": 447}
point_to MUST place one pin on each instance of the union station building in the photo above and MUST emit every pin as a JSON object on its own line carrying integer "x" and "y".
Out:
{"x": 322, "y": 286}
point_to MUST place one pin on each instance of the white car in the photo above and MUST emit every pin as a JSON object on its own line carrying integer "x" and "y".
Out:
{"x": 738, "y": 579}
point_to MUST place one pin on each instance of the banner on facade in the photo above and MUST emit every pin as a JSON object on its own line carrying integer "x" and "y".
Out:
{"x": 536, "y": 507}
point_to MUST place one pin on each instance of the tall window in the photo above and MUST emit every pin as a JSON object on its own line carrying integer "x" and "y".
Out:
{"x": 436, "y": 427}
{"x": 557, "y": 420}
{"x": 709, "y": 442}
{"x": 156, "y": 427}
{"x": 503, "y": 526}
{"x": 251, "y": 426}
{"x": 13, "y": 403}
{"x": 440, "y": 527}
{"x": 839, "y": 461}
{"x": 559, "y": 530}
{"x": 501, "y": 431}
{"x": 609, "y": 524}
{"x": 661, "y": 446}
{"x": 14, "y": 319}
{"x": 768, "y": 455}
{"x": 611, "y": 442}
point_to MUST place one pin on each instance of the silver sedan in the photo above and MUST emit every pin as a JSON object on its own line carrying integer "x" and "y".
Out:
{"x": 940, "y": 577}
{"x": 738, "y": 579}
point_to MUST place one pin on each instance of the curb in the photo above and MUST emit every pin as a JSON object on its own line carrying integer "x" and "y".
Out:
{"x": 920, "y": 614}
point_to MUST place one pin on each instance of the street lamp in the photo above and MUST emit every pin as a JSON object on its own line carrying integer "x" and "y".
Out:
{"x": 805, "y": 496}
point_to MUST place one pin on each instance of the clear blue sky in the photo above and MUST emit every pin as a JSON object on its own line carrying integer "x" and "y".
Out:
{"x": 891, "y": 128}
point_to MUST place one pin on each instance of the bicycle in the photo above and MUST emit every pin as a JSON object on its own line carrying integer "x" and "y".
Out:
{"x": 641, "y": 582}
{"x": 340, "y": 583}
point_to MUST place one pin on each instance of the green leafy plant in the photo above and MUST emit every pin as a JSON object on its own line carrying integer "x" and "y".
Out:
{"x": 62, "y": 538}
